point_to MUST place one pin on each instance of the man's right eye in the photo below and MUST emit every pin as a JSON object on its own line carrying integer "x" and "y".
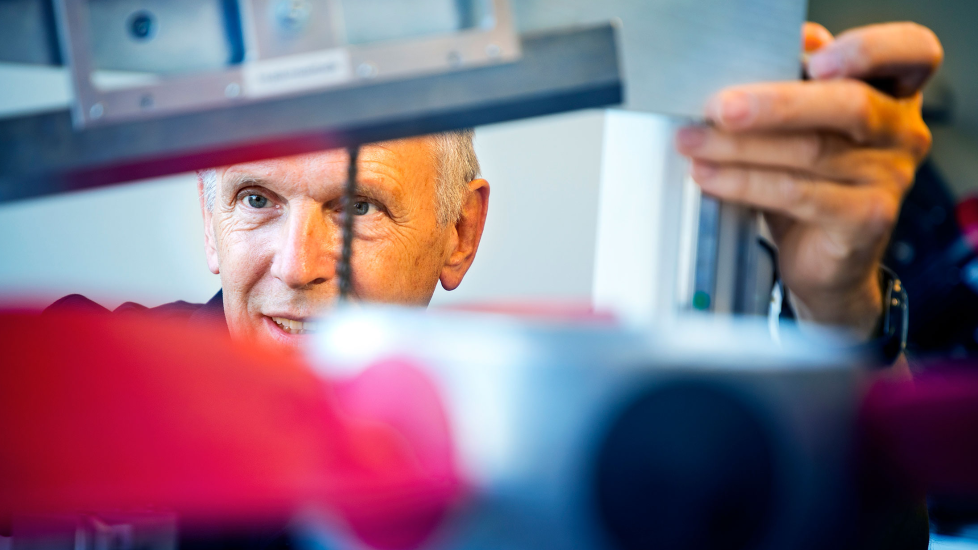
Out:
{"x": 257, "y": 201}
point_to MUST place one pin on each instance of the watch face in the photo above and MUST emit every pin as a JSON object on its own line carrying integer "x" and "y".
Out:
{"x": 893, "y": 338}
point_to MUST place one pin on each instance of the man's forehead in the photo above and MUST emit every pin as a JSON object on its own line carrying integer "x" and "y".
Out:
{"x": 388, "y": 158}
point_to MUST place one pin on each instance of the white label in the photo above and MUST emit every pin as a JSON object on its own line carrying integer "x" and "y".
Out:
{"x": 296, "y": 73}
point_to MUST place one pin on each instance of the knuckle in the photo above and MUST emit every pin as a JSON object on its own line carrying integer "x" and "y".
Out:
{"x": 777, "y": 104}
{"x": 919, "y": 140}
{"x": 863, "y": 111}
{"x": 863, "y": 51}
{"x": 794, "y": 191}
{"x": 903, "y": 172}
{"x": 738, "y": 183}
{"x": 817, "y": 149}
{"x": 737, "y": 147}
{"x": 882, "y": 211}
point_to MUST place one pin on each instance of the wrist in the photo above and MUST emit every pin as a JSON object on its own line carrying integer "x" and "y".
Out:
{"x": 857, "y": 312}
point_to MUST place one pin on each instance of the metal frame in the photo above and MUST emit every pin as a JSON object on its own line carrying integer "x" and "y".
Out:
{"x": 353, "y": 65}
{"x": 559, "y": 71}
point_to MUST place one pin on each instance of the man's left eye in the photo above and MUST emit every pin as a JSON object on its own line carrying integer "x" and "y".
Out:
{"x": 362, "y": 208}
{"x": 257, "y": 201}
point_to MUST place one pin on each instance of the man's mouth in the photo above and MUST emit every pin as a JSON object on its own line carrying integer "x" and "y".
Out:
{"x": 294, "y": 327}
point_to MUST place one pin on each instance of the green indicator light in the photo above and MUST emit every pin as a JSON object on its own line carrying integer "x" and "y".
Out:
{"x": 701, "y": 301}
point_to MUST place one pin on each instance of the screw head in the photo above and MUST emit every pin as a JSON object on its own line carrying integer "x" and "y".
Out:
{"x": 142, "y": 25}
{"x": 292, "y": 15}
{"x": 96, "y": 111}
{"x": 232, "y": 90}
{"x": 366, "y": 70}
{"x": 493, "y": 50}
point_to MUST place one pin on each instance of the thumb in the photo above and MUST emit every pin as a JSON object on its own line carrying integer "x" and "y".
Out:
{"x": 897, "y": 58}
{"x": 814, "y": 37}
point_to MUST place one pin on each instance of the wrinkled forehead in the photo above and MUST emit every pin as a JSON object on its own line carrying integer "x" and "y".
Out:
{"x": 389, "y": 159}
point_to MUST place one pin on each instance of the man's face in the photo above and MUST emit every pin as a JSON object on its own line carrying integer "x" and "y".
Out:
{"x": 275, "y": 236}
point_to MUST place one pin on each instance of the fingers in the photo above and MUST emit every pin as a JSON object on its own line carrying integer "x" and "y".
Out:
{"x": 847, "y": 107}
{"x": 821, "y": 154}
{"x": 814, "y": 37}
{"x": 869, "y": 211}
{"x": 907, "y": 53}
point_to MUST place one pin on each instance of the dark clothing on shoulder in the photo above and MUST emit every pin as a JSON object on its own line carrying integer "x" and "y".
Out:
{"x": 211, "y": 312}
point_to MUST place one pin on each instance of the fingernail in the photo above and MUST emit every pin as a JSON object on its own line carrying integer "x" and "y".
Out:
{"x": 690, "y": 139}
{"x": 703, "y": 172}
{"x": 733, "y": 109}
{"x": 825, "y": 65}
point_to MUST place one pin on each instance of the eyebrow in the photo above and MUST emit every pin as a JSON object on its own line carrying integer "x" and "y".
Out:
{"x": 378, "y": 188}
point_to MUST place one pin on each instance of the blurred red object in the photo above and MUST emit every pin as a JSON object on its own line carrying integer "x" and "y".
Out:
{"x": 556, "y": 311}
{"x": 967, "y": 217}
{"x": 924, "y": 432}
{"x": 101, "y": 412}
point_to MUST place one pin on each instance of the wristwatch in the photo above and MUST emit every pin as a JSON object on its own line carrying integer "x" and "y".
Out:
{"x": 890, "y": 337}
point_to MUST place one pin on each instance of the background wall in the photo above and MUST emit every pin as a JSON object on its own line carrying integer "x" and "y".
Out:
{"x": 956, "y": 84}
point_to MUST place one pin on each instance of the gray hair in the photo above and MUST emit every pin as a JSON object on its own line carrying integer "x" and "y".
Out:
{"x": 457, "y": 166}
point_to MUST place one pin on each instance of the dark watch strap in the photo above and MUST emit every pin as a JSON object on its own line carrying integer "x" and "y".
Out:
{"x": 889, "y": 340}
{"x": 891, "y": 333}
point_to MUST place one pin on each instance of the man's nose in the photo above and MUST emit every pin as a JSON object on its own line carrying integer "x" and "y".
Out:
{"x": 306, "y": 255}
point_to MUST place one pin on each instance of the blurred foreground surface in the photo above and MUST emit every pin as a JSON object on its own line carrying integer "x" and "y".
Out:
{"x": 405, "y": 429}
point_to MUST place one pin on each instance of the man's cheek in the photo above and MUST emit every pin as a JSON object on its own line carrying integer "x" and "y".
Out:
{"x": 397, "y": 270}
{"x": 377, "y": 230}
{"x": 246, "y": 256}
{"x": 402, "y": 240}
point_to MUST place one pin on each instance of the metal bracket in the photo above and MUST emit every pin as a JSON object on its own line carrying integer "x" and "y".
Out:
{"x": 256, "y": 78}
{"x": 558, "y": 71}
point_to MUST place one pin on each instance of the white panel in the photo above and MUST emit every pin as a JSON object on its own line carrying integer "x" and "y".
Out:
{"x": 638, "y": 240}
{"x": 141, "y": 242}
{"x": 539, "y": 237}
{"x": 26, "y": 89}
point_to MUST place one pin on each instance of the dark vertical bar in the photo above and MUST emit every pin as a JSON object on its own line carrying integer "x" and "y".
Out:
{"x": 350, "y": 196}
{"x": 233, "y": 31}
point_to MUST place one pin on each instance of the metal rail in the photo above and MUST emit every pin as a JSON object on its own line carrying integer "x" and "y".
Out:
{"x": 560, "y": 71}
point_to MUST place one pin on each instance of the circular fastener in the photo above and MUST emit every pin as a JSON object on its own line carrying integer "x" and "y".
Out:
{"x": 146, "y": 102}
{"x": 142, "y": 25}
{"x": 492, "y": 50}
{"x": 292, "y": 15}
{"x": 454, "y": 58}
{"x": 96, "y": 111}
{"x": 232, "y": 90}
{"x": 366, "y": 70}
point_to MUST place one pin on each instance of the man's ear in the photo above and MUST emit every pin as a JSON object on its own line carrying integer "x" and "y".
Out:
{"x": 468, "y": 234}
{"x": 210, "y": 244}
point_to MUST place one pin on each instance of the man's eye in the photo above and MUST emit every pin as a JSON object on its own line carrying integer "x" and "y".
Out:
{"x": 362, "y": 208}
{"x": 257, "y": 201}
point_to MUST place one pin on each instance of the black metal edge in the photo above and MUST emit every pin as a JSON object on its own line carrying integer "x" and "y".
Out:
{"x": 559, "y": 71}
